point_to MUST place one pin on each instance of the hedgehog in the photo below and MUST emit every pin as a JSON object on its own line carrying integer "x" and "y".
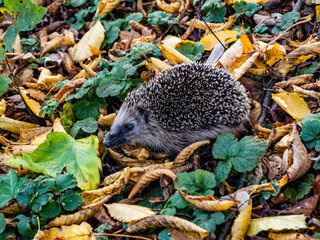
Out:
{"x": 179, "y": 106}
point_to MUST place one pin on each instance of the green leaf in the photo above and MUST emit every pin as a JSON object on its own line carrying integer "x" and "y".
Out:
{"x": 111, "y": 33}
{"x": 222, "y": 146}
{"x": 240, "y": 6}
{"x": 165, "y": 235}
{"x": 247, "y": 153}
{"x": 88, "y": 108}
{"x": 60, "y": 151}
{"x": 68, "y": 116}
{"x": 178, "y": 201}
{"x": 143, "y": 50}
{"x": 208, "y": 221}
{"x": 24, "y": 226}
{"x": 28, "y": 41}
{"x": 308, "y": 70}
{"x": 289, "y": 19}
{"x": 193, "y": 51}
{"x": 215, "y": 10}
{"x": 3, "y": 223}
{"x": 88, "y": 125}
{"x": 4, "y": 83}
{"x": 244, "y": 155}
{"x": 77, "y": 3}
{"x": 12, "y": 6}
{"x": 205, "y": 179}
{"x": 261, "y": 29}
{"x": 9, "y": 185}
{"x": 72, "y": 202}
{"x": 186, "y": 182}
{"x": 169, "y": 211}
{"x": 30, "y": 15}
{"x": 2, "y": 55}
{"x": 64, "y": 182}
{"x": 222, "y": 170}
{"x": 310, "y": 132}
{"x": 50, "y": 107}
{"x": 300, "y": 188}
{"x": 51, "y": 209}
{"x": 134, "y": 17}
{"x": 159, "y": 18}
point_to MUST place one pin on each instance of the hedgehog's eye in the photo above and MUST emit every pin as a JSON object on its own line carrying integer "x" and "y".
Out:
{"x": 129, "y": 127}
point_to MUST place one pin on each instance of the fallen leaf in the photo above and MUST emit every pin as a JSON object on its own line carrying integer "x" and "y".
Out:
{"x": 210, "y": 41}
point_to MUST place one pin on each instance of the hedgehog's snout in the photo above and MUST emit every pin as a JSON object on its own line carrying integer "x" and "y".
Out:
{"x": 114, "y": 140}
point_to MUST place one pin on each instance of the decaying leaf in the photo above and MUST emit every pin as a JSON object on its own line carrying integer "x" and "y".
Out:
{"x": 128, "y": 213}
{"x": 173, "y": 55}
{"x": 136, "y": 151}
{"x": 64, "y": 39}
{"x": 292, "y": 104}
{"x": 182, "y": 225}
{"x": 209, "y": 203}
{"x": 81, "y": 232}
{"x": 92, "y": 39}
{"x": 210, "y": 41}
{"x": 71, "y": 219}
{"x": 106, "y": 120}
{"x": 149, "y": 177}
{"x": 289, "y": 236}
{"x": 14, "y": 126}
{"x": 188, "y": 151}
{"x": 294, "y": 222}
{"x": 106, "y": 6}
{"x": 2, "y": 106}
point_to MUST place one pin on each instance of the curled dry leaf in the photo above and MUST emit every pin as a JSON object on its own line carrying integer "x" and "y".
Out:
{"x": 210, "y": 41}
{"x": 170, "y": 8}
{"x": 238, "y": 72}
{"x": 279, "y": 132}
{"x": 289, "y": 236}
{"x": 208, "y": 203}
{"x": 3, "y": 106}
{"x": 188, "y": 151}
{"x": 34, "y": 106}
{"x": 64, "y": 39}
{"x": 136, "y": 151}
{"x": 182, "y": 225}
{"x": 75, "y": 218}
{"x": 161, "y": 65}
{"x": 306, "y": 93}
{"x": 173, "y": 55}
{"x": 92, "y": 39}
{"x": 301, "y": 162}
{"x": 294, "y": 222}
{"x": 81, "y": 232}
{"x": 255, "y": 112}
{"x": 290, "y": 60}
{"x": 106, "y": 6}
{"x": 254, "y": 189}
{"x": 128, "y": 213}
{"x": 301, "y": 79}
{"x": 106, "y": 120}
{"x": 214, "y": 26}
{"x": 242, "y": 221}
{"x": 14, "y": 126}
{"x": 295, "y": 106}
{"x": 149, "y": 177}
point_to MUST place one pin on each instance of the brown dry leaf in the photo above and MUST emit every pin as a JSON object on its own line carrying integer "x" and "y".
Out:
{"x": 301, "y": 162}
{"x": 210, "y": 41}
{"x": 279, "y": 223}
{"x": 92, "y": 39}
{"x": 283, "y": 144}
{"x": 238, "y": 72}
{"x": 255, "y": 112}
{"x": 170, "y": 8}
{"x": 14, "y": 126}
{"x": 76, "y": 218}
{"x": 106, "y": 6}
{"x": 254, "y": 189}
{"x": 290, "y": 60}
{"x": 215, "y": 27}
{"x": 47, "y": 79}
{"x": 136, "y": 151}
{"x": 64, "y": 39}
{"x": 149, "y": 177}
{"x": 306, "y": 93}
{"x": 188, "y": 151}
{"x": 238, "y": 53}
{"x": 278, "y": 132}
{"x": 106, "y": 120}
{"x": 289, "y": 236}
{"x": 208, "y": 203}
{"x": 296, "y": 80}
{"x": 242, "y": 221}
{"x": 3, "y": 106}
{"x": 180, "y": 224}
{"x": 295, "y": 106}
{"x": 80, "y": 232}
{"x": 273, "y": 54}
{"x": 128, "y": 213}
{"x": 173, "y": 55}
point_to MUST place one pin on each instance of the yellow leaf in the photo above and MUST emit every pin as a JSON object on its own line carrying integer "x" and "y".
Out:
{"x": 318, "y": 12}
{"x": 276, "y": 223}
{"x": 295, "y": 106}
{"x": 210, "y": 41}
{"x": 128, "y": 213}
{"x": 106, "y": 6}
{"x": 32, "y": 104}
{"x": 173, "y": 55}
{"x": 92, "y": 39}
{"x": 303, "y": 59}
{"x": 273, "y": 54}
{"x": 3, "y": 106}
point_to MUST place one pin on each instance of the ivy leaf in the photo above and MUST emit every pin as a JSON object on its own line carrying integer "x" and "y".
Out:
{"x": 186, "y": 182}
{"x": 191, "y": 50}
{"x": 298, "y": 189}
{"x": 205, "y": 179}
{"x": 88, "y": 108}
{"x": 24, "y": 226}
{"x": 71, "y": 202}
{"x": 223, "y": 145}
{"x": 9, "y": 185}
{"x": 222, "y": 170}
{"x": 50, "y": 210}
{"x": 4, "y": 83}
{"x": 60, "y": 151}
{"x": 30, "y": 15}
{"x": 288, "y": 19}
{"x": 159, "y": 18}
{"x": 88, "y": 125}
{"x": 178, "y": 201}
{"x": 64, "y": 182}
{"x": 3, "y": 223}
{"x": 215, "y": 10}
{"x": 310, "y": 133}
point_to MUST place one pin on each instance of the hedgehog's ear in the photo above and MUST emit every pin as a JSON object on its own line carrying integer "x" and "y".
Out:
{"x": 142, "y": 113}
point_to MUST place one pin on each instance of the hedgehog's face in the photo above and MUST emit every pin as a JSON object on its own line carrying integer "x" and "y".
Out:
{"x": 128, "y": 126}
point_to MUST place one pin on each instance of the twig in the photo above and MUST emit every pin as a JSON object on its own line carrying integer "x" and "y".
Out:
{"x": 266, "y": 102}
